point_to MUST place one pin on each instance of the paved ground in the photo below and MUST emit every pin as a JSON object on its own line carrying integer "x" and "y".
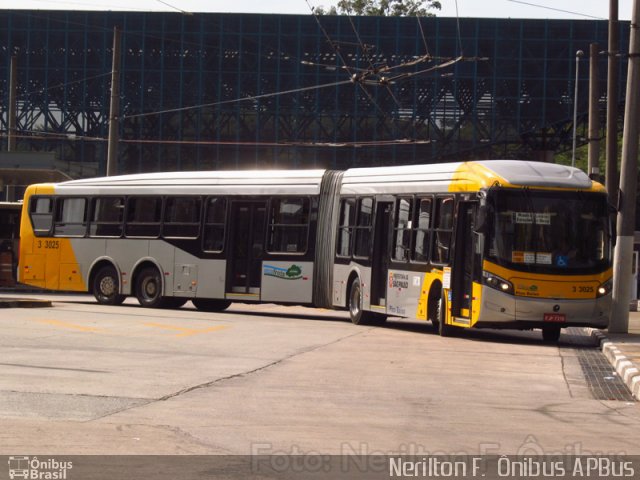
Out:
{"x": 79, "y": 378}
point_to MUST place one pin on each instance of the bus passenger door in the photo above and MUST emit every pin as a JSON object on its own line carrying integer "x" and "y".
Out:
{"x": 380, "y": 258}
{"x": 462, "y": 271}
{"x": 247, "y": 247}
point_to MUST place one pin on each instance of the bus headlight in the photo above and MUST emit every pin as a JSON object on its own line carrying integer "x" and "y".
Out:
{"x": 498, "y": 283}
{"x": 605, "y": 288}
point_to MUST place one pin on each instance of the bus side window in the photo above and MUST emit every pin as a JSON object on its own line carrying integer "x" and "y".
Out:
{"x": 143, "y": 217}
{"x": 443, "y": 230}
{"x": 345, "y": 228}
{"x": 71, "y": 218}
{"x": 41, "y": 213}
{"x": 402, "y": 230}
{"x": 362, "y": 238}
{"x": 182, "y": 217}
{"x": 107, "y": 217}
{"x": 288, "y": 225}
{"x": 214, "y": 224}
{"x": 422, "y": 224}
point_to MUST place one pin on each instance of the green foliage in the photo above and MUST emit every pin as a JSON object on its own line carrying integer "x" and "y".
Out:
{"x": 383, "y": 8}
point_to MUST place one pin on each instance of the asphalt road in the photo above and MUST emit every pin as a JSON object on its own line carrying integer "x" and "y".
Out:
{"x": 79, "y": 378}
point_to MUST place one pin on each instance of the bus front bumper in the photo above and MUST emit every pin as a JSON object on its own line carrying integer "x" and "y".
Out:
{"x": 503, "y": 310}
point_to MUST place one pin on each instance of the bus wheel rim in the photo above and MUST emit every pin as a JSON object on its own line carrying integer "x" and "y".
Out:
{"x": 150, "y": 288}
{"x": 107, "y": 286}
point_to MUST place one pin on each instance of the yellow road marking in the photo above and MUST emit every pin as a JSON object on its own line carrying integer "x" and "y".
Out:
{"x": 185, "y": 332}
{"x": 72, "y": 326}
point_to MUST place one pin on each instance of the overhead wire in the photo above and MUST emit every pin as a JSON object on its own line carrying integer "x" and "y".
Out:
{"x": 65, "y": 84}
{"x": 44, "y": 136}
{"x": 354, "y": 78}
{"x": 424, "y": 38}
{"x": 556, "y": 9}
{"x": 368, "y": 58}
{"x": 458, "y": 29}
{"x": 237, "y": 100}
{"x": 356, "y": 75}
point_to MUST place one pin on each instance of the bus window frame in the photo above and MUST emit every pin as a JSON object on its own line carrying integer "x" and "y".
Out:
{"x": 164, "y": 222}
{"x": 418, "y": 199}
{"x": 270, "y": 225}
{"x": 348, "y": 227}
{"x": 92, "y": 210}
{"x": 409, "y": 228}
{"x": 32, "y": 201}
{"x": 436, "y": 229}
{"x": 205, "y": 224}
{"x": 59, "y": 204}
{"x": 357, "y": 228}
{"x": 129, "y": 198}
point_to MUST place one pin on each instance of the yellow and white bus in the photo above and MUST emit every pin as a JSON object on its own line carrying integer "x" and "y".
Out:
{"x": 500, "y": 244}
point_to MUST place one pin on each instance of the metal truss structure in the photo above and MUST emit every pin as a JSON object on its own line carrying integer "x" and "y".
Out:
{"x": 220, "y": 91}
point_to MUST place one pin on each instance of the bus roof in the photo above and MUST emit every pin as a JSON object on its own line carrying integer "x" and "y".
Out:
{"x": 202, "y": 182}
{"x": 466, "y": 176}
{"x": 437, "y": 177}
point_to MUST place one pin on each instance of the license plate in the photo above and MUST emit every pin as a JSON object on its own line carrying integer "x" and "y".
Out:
{"x": 555, "y": 317}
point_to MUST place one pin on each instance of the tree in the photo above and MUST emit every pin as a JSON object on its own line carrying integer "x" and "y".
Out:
{"x": 383, "y": 8}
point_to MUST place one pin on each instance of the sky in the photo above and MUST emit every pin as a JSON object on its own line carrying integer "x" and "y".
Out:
{"x": 584, "y": 9}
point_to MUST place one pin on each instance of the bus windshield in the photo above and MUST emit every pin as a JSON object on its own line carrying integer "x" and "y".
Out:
{"x": 545, "y": 231}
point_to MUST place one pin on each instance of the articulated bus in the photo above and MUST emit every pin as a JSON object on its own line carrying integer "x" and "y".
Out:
{"x": 500, "y": 244}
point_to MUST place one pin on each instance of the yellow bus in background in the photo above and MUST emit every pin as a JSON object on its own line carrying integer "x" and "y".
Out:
{"x": 499, "y": 244}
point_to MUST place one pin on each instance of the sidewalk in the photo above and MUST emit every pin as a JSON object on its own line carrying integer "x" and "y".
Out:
{"x": 623, "y": 352}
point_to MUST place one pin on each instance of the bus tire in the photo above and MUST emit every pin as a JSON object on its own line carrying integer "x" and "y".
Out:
{"x": 106, "y": 286}
{"x": 551, "y": 333}
{"x": 210, "y": 304}
{"x": 444, "y": 329}
{"x": 356, "y": 313}
{"x": 149, "y": 288}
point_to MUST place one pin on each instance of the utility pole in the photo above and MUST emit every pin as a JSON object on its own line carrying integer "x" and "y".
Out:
{"x": 579, "y": 54}
{"x": 611, "y": 168}
{"x": 594, "y": 115}
{"x": 13, "y": 104}
{"x": 623, "y": 257}
{"x": 114, "y": 108}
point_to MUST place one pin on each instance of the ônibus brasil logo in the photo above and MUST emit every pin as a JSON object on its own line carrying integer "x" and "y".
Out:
{"x": 35, "y": 469}
{"x": 294, "y": 272}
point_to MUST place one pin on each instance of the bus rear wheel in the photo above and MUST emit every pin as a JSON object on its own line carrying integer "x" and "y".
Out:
{"x": 149, "y": 288}
{"x": 210, "y": 304}
{"x": 551, "y": 333}
{"x": 106, "y": 287}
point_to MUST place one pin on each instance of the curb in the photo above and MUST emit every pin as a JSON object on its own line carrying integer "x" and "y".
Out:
{"x": 628, "y": 372}
{"x": 24, "y": 303}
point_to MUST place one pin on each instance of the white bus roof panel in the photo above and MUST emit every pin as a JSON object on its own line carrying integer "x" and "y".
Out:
{"x": 401, "y": 179}
{"x": 247, "y": 182}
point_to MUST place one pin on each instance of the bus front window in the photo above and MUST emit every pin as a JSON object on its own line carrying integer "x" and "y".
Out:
{"x": 546, "y": 231}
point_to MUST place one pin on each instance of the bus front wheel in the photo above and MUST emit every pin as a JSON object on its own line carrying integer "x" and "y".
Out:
{"x": 106, "y": 287}
{"x": 149, "y": 288}
{"x": 551, "y": 333}
{"x": 444, "y": 329}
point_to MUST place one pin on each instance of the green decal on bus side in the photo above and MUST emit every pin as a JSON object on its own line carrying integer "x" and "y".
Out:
{"x": 294, "y": 272}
